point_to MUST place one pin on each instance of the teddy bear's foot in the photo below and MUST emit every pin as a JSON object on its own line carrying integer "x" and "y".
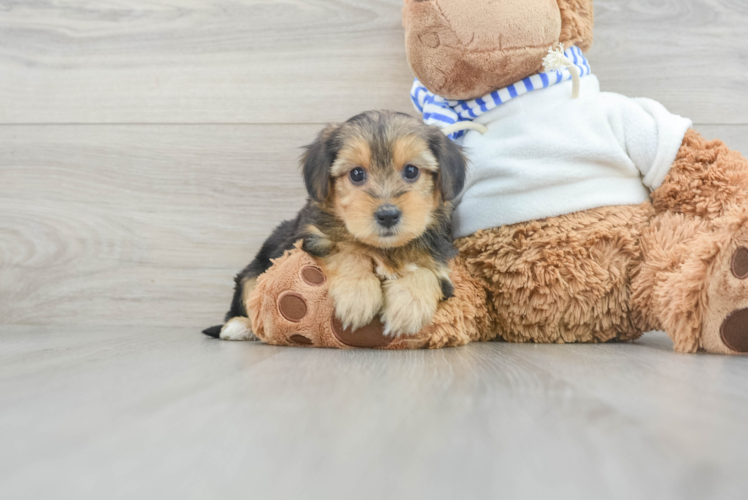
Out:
{"x": 291, "y": 306}
{"x": 726, "y": 320}
{"x": 693, "y": 282}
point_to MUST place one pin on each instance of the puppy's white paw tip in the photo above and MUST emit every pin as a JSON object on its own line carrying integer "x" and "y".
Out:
{"x": 236, "y": 330}
{"x": 390, "y": 330}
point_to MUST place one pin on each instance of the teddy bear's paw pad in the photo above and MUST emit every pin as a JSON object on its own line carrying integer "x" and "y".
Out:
{"x": 369, "y": 336}
{"x": 734, "y": 331}
{"x": 313, "y": 276}
{"x": 740, "y": 263}
{"x": 292, "y": 306}
{"x": 300, "y": 339}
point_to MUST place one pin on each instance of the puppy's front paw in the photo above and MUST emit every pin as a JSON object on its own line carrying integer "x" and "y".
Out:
{"x": 408, "y": 307}
{"x": 356, "y": 301}
{"x": 238, "y": 329}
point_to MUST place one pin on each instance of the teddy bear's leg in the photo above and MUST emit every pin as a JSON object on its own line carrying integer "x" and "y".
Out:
{"x": 693, "y": 281}
{"x": 561, "y": 279}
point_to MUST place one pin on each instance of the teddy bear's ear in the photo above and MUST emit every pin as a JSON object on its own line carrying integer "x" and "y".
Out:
{"x": 577, "y": 23}
{"x": 452, "y": 164}
{"x": 317, "y": 161}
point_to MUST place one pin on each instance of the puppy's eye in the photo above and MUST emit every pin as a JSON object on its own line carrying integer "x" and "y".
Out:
{"x": 357, "y": 176}
{"x": 411, "y": 173}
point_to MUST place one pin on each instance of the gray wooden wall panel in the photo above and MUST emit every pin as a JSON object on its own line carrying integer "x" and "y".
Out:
{"x": 311, "y": 61}
{"x": 148, "y": 147}
{"x": 191, "y": 61}
{"x": 137, "y": 224}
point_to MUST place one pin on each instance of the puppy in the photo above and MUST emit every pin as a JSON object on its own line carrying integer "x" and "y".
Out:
{"x": 379, "y": 219}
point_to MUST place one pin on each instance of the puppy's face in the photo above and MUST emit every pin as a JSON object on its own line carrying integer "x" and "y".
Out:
{"x": 388, "y": 174}
{"x": 384, "y": 189}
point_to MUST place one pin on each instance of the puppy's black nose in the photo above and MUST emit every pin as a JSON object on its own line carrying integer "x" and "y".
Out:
{"x": 388, "y": 215}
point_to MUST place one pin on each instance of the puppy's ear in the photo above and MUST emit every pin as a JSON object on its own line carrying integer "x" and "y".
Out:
{"x": 317, "y": 161}
{"x": 452, "y": 164}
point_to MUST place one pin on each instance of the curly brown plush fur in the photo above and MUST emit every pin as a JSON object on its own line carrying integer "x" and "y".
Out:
{"x": 577, "y": 23}
{"x": 561, "y": 279}
{"x": 706, "y": 180}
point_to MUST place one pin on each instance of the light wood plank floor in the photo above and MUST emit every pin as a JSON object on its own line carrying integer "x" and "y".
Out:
{"x": 146, "y": 150}
{"x": 153, "y": 412}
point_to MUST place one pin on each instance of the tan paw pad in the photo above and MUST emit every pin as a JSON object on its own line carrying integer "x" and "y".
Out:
{"x": 740, "y": 263}
{"x": 369, "y": 336}
{"x": 300, "y": 339}
{"x": 734, "y": 330}
{"x": 313, "y": 276}
{"x": 292, "y": 306}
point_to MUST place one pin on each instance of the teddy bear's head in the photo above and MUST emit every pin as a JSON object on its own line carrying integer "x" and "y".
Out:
{"x": 466, "y": 49}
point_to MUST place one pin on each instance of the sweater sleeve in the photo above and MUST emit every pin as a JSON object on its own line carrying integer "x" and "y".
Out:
{"x": 653, "y": 137}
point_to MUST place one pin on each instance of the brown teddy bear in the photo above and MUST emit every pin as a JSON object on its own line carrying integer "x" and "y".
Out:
{"x": 587, "y": 216}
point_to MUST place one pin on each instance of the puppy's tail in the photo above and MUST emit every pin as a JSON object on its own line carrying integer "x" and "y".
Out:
{"x": 213, "y": 331}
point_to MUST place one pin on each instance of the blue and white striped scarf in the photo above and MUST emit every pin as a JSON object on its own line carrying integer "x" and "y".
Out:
{"x": 443, "y": 112}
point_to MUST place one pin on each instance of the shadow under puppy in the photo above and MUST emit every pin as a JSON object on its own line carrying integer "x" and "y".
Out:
{"x": 379, "y": 219}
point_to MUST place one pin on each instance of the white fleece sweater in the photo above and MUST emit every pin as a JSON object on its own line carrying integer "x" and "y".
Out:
{"x": 546, "y": 154}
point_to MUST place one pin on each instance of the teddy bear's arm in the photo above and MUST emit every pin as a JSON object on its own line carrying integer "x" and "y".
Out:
{"x": 651, "y": 136}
